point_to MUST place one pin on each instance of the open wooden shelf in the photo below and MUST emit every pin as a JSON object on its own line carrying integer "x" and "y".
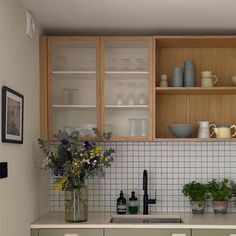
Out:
{"x": 189, "y": 105}
{"x": 195, "y": 90}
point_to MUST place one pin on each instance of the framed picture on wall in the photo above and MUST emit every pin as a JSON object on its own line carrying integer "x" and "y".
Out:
{"x": 12, "y": 116}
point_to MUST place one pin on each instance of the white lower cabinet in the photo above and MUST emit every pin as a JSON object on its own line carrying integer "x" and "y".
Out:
{"x": 213, "y": 232}
{"x": 147, "y": 232}
{"x": 67, "y": 232}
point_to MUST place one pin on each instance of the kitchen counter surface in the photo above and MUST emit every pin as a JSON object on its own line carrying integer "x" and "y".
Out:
{"x": 102, "y": 220}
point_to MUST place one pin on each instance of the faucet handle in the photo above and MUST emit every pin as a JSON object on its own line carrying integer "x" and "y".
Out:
{"x": 153, "y": 201}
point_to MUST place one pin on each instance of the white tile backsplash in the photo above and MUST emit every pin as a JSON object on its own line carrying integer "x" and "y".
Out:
{"x": 169, "y": 166}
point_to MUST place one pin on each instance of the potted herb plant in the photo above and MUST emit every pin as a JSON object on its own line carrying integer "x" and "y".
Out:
{"x": 233, "y": 191}
{"x": 220, "y": 192}
{"x": 73, "y": 162}
{"x": 197, "y": 194}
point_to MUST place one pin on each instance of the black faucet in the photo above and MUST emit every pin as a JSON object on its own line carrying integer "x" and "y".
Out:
{"x": 146, "y": 200}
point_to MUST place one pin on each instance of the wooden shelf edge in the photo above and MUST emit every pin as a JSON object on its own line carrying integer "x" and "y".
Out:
{"x": 195, "y": 139}
{"x": 194, "y": 90}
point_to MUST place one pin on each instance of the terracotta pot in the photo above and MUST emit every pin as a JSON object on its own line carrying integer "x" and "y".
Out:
{"x": 234, "y": 201}
{"x": 220, "y": 207}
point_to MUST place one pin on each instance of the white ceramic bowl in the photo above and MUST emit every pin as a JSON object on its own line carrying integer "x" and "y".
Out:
{"x": 233, "y": 78}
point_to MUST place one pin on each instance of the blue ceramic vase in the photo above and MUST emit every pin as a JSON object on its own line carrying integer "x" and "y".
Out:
{"x": 177, "y": 78}
{"x": 189, "y": 75}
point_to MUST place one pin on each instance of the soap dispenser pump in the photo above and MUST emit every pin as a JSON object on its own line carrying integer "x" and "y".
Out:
{"x": 133, "y": 204}
{"x": 121, "y": 204}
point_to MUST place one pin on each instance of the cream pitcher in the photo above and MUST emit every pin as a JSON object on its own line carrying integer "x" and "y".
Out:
{"x": 207, "y": 79}
{"x": 204, "y": 129}
{"x": 224, "y": 131}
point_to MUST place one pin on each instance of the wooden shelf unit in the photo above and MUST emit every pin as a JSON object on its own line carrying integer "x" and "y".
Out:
{"x": 191, "y": 105}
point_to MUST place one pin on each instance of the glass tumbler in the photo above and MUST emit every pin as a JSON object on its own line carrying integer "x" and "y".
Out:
{"x": 132, "y": 127}
{"x": 142, "y": 127}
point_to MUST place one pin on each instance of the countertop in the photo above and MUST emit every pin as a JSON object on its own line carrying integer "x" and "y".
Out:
{"x": 102, "y": 220}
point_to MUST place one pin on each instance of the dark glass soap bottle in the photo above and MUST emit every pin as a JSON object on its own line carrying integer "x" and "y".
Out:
{"x": 133, "y": 204}
{"x": 121, "y": 204}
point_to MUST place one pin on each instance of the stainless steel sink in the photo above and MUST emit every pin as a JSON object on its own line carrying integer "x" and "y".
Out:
{"x": 143, "y": 219}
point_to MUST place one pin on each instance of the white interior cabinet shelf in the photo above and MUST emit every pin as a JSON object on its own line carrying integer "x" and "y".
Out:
{"x": 73, "y": 72}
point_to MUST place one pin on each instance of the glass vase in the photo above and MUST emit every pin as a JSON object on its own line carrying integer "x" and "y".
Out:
{"x": 76, "y": 203}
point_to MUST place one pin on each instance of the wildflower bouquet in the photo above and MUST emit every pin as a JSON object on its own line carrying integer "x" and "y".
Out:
{"x": 74, "y": 161}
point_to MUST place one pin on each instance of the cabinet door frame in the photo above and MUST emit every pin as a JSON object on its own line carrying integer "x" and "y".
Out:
{"x": 150, "y": 78}
{"x": 46, "y": 125}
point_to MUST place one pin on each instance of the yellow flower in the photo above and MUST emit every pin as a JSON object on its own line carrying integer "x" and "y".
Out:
{"x": 59, "y": 184}
{"x": 96, "y": 150}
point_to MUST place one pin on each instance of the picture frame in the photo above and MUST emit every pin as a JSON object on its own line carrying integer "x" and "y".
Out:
{"x": 12, "y": 116}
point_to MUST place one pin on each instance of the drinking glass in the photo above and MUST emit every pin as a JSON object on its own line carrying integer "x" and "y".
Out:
{"x": 131, "y": 99}
{"x": 125, "y": 64}
{"x": 132, "y": 127}
{"x": 119, "y": 99}
{"x": 113, "y": 65}
{"x": 65, "y": 96}
{"x": 142, "y": 127}
{"x": 140, "y": 64}
{"x": 142, "y": 99}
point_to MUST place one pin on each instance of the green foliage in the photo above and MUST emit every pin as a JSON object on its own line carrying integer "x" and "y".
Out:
{"x": 233, "y": 188}
{"x": 75, "y": 161}
{"x": 219, "y": 190}
{"x": 195, "y": 191}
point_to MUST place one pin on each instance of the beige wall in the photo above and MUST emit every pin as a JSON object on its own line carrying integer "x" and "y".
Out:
{"x": 19, "y": 69}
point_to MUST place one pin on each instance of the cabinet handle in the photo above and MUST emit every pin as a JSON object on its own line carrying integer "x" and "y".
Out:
{"x": 180, "y": 235}
{"x": 71, "y": 234}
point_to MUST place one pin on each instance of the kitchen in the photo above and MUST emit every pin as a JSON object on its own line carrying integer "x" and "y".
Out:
{"x": 27, "y": 192}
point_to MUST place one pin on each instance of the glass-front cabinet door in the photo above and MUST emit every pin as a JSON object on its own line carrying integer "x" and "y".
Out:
{"x": 73, "y": 82}
{"x": 126, "y": 74}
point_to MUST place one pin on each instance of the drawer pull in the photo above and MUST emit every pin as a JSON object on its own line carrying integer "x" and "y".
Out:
{"x": 180, "y": 235}
{"x": 71, "y": 234}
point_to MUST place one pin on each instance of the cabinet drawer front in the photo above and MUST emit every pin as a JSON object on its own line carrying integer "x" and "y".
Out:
{"x": 70, "y": 232}
{"x": 149, "y": 232}
{"x": 213, "y": 232}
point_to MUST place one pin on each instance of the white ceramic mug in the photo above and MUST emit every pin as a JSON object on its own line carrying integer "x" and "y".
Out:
{"x": 225, "y": 131}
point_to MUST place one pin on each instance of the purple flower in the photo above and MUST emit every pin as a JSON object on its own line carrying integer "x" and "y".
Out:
{"x": 87, "y": 145}
{"x": 58, "y": 172}
{"x": 96, "y": 158}
{"x": 64, "y": 141}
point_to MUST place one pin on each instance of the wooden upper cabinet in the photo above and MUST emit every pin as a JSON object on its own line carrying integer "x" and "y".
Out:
{"x": 126, "y": 87}
{"x": 108, "y": 83}
{"x": 103, "y": 82}
{"x": 72, "y": 87}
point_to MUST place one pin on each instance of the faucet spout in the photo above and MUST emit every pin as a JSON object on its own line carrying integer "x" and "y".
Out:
{"x": 146, "y": 200}
{"x": 145, "y": 182}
